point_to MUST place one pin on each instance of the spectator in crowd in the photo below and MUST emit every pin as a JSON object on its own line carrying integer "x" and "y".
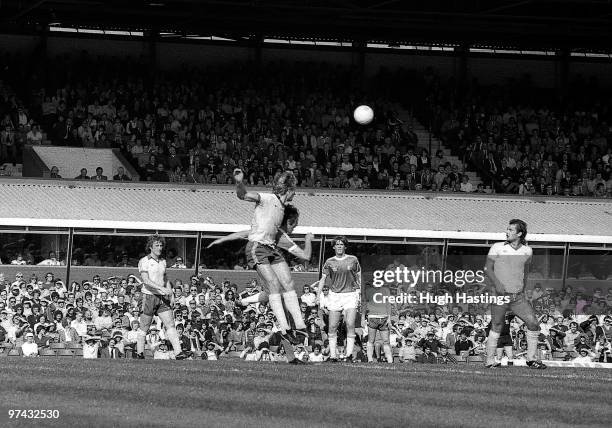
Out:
{"x": 407, "y": 352}
{"x": 29, "y": 347}
{"x": 179, "y": 264}
{"x": 121, "y": 175}
{"x": 464, "y": 346}
{"x": 308, "y": 296}
{"x": 162, "y": 352}
{"x": 113, "y": 348}
{"x": 83, "y": 175}
{"x": 316, "y": 356}
{"x": 34, "y": 136}
{"x": 430, "y": 342}
{"x": 584, "y": 356}
{"x": 54, "y": 173}
{"x": 52, "y": 260}
{"x": 99, "y": 175}
{"x": 91, "y": 347}
{"x": 444, "y": 357}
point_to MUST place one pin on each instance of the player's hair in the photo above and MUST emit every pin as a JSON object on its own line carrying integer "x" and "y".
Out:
{"x": 291, "y": 214}
{"x": 521, "y": 227}
{"x": 153, "y": 239}
{"x": 340, "y": 238}
{"x": 284, "y": 183}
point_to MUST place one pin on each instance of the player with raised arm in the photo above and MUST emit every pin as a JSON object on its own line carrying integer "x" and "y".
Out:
{"x": 344, "y": 272}
{"x": 283, "y": 241}
{"x": 157, "y": 293}
{"x": 263, "y": 254}
{"x": 379, "y": 320}
{"x": 507, "y": 266}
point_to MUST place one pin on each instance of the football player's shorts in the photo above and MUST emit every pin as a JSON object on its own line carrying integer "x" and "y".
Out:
{"x": 153, "y": 304}
{"x": 342, "y": 301}
{"x": 377, "y": 323}
{"x": 258, "y": 253}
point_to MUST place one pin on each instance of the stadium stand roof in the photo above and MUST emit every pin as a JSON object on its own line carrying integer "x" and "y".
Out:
{"x": 360, "y": 213}
{"x": 516, "y": 23}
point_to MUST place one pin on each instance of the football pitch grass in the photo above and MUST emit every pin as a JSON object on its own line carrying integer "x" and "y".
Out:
{"x": 91, "y": 393}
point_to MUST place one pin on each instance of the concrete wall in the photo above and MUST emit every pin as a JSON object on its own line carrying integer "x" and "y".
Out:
{"x": 70, "y": 160}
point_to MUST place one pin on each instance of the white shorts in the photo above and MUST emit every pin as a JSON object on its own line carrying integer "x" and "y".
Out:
{"x": 342, "y": 301}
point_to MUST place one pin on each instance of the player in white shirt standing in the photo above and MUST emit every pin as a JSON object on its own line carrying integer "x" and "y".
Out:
{"x": 507, "y": 266}
{"x": 157, "y": 293}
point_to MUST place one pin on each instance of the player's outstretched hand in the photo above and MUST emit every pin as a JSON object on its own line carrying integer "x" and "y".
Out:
{"x": 238, "y": 175}
{"x": 309, "y": 236}
{"x": 215, "y": 242}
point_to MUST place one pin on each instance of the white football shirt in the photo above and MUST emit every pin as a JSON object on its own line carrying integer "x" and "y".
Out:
{"x": 156, "y": 270}
{"x": 268, "y": 216}
{"x": 509, "y": 265}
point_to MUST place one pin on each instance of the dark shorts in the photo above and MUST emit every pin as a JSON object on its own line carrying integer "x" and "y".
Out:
{"x": 504, "y": 341}
{"x": 379, "y": 324}
{"x": 153, "y": 304}
{"x": 261, "y": 254}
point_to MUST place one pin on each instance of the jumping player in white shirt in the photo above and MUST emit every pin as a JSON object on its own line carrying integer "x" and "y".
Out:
{"x": 283, "y": 242}
{"x": 507, "y": 267}
{"x": 286, "y": 244}
{"x": 263, "y": 254}
{"x": 344, "y": 272}
{"x": 157, "y": 293}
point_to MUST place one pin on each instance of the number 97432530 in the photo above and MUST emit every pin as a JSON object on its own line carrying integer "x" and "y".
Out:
{"x": 33, "y": 414}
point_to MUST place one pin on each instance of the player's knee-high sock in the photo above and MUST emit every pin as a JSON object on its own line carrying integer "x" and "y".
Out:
{"x": 370, "y": 347}
{"x": 388, "y": 353}
{"x": 532, "y": 344}
{"x": 140, "y": 343}
{"x": 350, "y": 344}
{"x": 276, "y": 303}
{"x": 492, "y": 346}
{"x": 333, "y": 345}
{"x": 293, "y": 306}
{"x": 173, "y": 337}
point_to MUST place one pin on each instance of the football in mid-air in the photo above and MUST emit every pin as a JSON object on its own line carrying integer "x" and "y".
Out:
{"x": 363, "y": 114}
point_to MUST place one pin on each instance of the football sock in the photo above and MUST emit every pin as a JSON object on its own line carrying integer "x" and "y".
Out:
{"x": 276, "y": 303}
{"x": 388, "y": 353}
{"x": 350, "y": 344}
{"x": 293, "y": 306}
{"x": 532, "y": 344}
{"x": 333, "y": 345}
{"x": 492, "y": 346}
{"x": 174, "y": 339}
{"x": 370, "y": 350}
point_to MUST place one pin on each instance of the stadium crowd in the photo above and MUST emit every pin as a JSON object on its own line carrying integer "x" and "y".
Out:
{"x": 527, "y": 140}
{"x": 100, "y": 319}
{"x": 195, "y": 126}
